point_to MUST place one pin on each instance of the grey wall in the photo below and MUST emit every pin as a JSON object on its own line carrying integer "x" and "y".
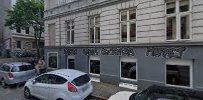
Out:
{"x": 151, "y": 70}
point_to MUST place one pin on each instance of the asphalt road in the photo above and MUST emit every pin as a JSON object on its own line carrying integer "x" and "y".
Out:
{"x": 15, "y": 92}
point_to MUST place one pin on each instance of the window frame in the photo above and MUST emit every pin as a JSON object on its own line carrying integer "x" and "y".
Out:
{"x": 177, "y": 14}
{"x": 181, "y": 63}
{"x": 94, "y": 58}
{"x": 131, "y": 60}
{"x": 20, "y": 44}
{"x": 128, "y": 22}
{"x": 48, "y": 60}
{"x": 94, "y": 27}
{"x": 70, "y": 34}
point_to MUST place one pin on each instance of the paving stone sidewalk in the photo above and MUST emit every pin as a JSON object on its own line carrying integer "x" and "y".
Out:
{"x": 104, "y": 90}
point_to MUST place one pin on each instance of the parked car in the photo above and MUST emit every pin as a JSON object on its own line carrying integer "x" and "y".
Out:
{"x": 156, "y": 92}
{"x": 16, "y": 72}
{"x": 63, "y": 84}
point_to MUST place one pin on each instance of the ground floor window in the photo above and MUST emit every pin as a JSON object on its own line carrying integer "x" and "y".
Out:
{"x": 71, "y": 62}
{"x": 53, "y": 59}
{"x": 128, "y": 68}
{"x": 179, "y": 73}
{"x": 94, "y": 65}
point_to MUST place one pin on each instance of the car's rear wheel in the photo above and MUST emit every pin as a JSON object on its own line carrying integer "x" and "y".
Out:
{"x": 59, "y": 99}
{"x": 27, "y": 94}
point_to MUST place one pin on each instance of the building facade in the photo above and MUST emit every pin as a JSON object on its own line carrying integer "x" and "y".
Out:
{"x": 16, "y": 41}
{"x": 125, "y": 42}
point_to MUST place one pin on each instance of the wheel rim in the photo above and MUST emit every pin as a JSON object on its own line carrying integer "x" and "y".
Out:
{"x": 27, "y": 93}
{"x": 3, "y": 83}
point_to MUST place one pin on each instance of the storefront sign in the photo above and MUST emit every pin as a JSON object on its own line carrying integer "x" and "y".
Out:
{"x": 119, "y": 51}
{"x": 166, "y": 52}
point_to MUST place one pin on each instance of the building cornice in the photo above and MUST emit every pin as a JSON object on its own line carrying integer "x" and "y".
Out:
{"x": 80, "y": 9}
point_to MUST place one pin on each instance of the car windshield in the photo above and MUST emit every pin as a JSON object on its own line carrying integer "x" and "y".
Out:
{"x": 22, "y": 68}
{"x": 81, "y": 80}
{"x": 160, "y": 94}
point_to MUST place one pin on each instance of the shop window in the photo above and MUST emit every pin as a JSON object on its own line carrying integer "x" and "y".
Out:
{"x": 70, "y": 26}
{"x": 178, "y": 14}
{"x": 179, "y": 74}
{"x": 94, "y": 66}
{"x": 128, "y": 69}
{"x": 71, "y": 62}
{"x": 53, "y": 60}
{"x": 94, "y": 29}
{"x": 128, "y": 25}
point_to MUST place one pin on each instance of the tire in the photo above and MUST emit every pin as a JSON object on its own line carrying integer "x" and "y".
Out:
{"x": 27, "y": 93}
{"x": 3, "y": 83}
{"x": 59, "y": 99}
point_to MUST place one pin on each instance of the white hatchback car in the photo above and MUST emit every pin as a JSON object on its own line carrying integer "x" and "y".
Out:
{"x": 63, "y": 84}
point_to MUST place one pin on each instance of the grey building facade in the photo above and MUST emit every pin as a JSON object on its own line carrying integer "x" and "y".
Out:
{"x": 128, "y": 42}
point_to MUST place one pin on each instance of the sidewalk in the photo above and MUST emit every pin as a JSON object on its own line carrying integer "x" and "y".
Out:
{"x": 104, "y": 90}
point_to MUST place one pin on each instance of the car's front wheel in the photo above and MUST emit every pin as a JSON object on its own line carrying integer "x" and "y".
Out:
{"x": 27, "y": 93}
{"x": 3, "y": 83}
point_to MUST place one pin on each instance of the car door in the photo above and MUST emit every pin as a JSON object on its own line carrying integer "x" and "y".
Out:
{"x": 40, "y": 87}
{"x": 56, "y": 86}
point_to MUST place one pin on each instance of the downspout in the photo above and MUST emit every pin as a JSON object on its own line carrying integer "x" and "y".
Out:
{"x": 60, "y": 48}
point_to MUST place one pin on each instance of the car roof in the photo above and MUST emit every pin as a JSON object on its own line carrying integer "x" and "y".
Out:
{"x": 16, "y": 63}
{"x": 177, "y": 90}
{"x": 69, "y": 74}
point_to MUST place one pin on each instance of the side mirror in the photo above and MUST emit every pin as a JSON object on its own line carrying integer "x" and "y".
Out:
{"x": 34, "y": 81}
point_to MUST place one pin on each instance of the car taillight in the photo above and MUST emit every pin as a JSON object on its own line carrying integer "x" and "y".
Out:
{"x": 71, "y": 87}
{"x": 10, "y": 75}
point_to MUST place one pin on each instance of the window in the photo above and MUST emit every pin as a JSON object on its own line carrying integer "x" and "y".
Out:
{"x": 71, "y": 63}
{"x": 94, "y": 65}
{"x": 178, "y": 14}
{"x": 81, "y": 80}
{"x": 22, "y": 68}
{"x": 42, "y": 79}
{"x": 27, "y": 30}
{"x": 70, "y": 32}
{"x": 128, "y": 25}
{"x": 19, "y": 44}
{"x": 55, "y": 79}
{"x": 51, "y": 34}
{"x": 6, "y": 68}
{"x": 128, "y": 69}
{"x": 53, "y": 60}
{"x": 94, "y": 29}
{"x": 18, "y": 30}
{"x": 179, "y": 74}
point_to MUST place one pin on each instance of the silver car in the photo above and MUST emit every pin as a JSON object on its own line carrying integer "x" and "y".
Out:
{"x": 63, "y": 84}
{"x": 16, "y": 72}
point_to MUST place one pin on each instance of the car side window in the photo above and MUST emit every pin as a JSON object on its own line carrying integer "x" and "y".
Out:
{"x": 42, "y": 79}
{"x": 1, "y": 67}
{"x": 15, "y": 69}
{"x": 6, "y": 68}
{"x": 55, "y": 79}
{"x": 26, "y": 67}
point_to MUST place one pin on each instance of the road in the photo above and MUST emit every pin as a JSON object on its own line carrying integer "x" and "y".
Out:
{"x": 15, "y": 92}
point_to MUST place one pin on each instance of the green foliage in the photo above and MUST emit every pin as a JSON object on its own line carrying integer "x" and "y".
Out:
{"x": 25, "y": 14}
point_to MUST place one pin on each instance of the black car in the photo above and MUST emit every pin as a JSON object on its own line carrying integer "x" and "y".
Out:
{"x": 156, "y": 92}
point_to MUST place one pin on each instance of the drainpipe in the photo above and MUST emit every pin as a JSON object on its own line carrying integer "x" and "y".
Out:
{"x": 60, "y": 48}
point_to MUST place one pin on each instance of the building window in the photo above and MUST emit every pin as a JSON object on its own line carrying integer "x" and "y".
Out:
{"x": 178, "y": 14}
{"x": 53, "y": 59}
{"x": 19, "y": 45}
{"x": 94, "y": 65}
{"x": 179, "y": 74}
{"x": 94, "y": 29}
{"x": 71, "y": 62}
{"x": 128, "y": 69}
{"x": 27, "y": 30}
{"x": 128, "y": 25}
{"x": 51, "y": 34}
{"x": 70, "y": 26}
{"x": 18, "y": 30}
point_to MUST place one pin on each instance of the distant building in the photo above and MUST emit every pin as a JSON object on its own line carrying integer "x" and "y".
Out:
{"x": 14, "y": 40}
{"x": 125, "y": 42}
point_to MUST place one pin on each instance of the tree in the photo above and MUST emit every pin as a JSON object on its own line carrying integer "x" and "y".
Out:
{"x": 25, "y": 14}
